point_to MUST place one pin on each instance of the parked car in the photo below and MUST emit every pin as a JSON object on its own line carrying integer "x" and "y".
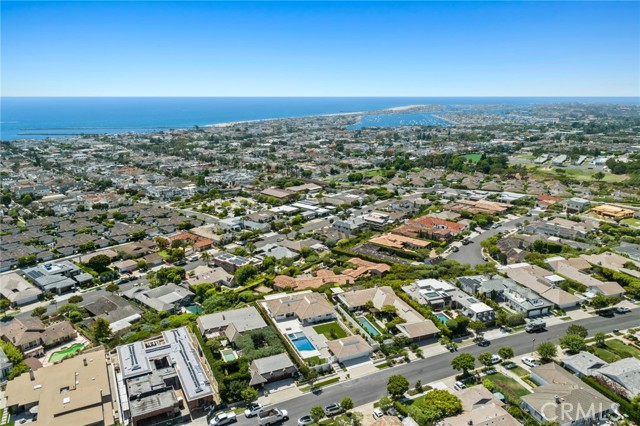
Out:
{"x": 267, "y": 417}
{"x": 465, "y": 242}
{"x": 377, "y": 413}
{"x": 495, "y": 359}
{"x": 252, "y": 410}
{"x": 333, "y": 409}
{"x": 509, "y": 365}
{"x": 459, "y": 386}
{"x": 391, "y": 411}
{"x": 484, "y": 342}
{"x": 455, "y": 249}
{"x": 530, "y": 362}
{"x": 606, "y": 313}
{"x": 305, "y": 420}
{"x": 223, "y": 418}
{"x": 622, "y": 309}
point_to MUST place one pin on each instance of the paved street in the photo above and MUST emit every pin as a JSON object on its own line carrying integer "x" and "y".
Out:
{"x": 371, "y": 388}
{"x": 472, "y": 252}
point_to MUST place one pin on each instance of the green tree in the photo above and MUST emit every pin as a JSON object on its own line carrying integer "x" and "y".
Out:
{"x": 600, "y": 339}
{"x": 443, "y": 401}
{"x": 547, "y": 350}
{"x": 112, "y": 287}
{"x": 485, "y": 358}
{"x": 249, "y": 394}
{"x": 598, "y": 175}
{"x": 13, "y": 353}
{"x": 317, "y": 413}
{"x": 477, "y": 326}
{"x": 506, "y": 352}
{"x": 39, "y": 311}
{"x": 573, "y": 343}
{"x": 578, "y": 330}
{"x": 346, "y": 403}
{"x": 385, "y": 403}
{"x": 75, "y": 299}
{"x": 397, "y": 385}
{"x": 245, "y": 273}
{"x": 464, "y": 363}
{"x": 4, "y": 306}
{"x": 101, "y": 329}
{"x": 99, "y": 263}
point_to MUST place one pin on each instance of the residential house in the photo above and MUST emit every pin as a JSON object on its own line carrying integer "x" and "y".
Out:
{"x": 575, "y": 269}
{"x": 161, "y": 375}
{"x": 271, "y": 369}
{"x": 57, "y": 277}
{"x": 169, "y": 297}
{"x": 5, "y": 366}
{"x": 608, "y": 211}
{"x": 563, "y": 398}
{"x": 306, "y": 307}
{"x": 432, "y": 228}
{"x": 623, "y": 376}
{"x": 415, "y": 327}
{"x": 236, "y": 321}
{"x": 542, "y": 282}
{"x": 350, "y": 348}
{"x": 32, "y": 337}
{"x": 120, "y": 314}
{"x": 76, "y": 391}
{"x": 205, "y": 274}
{"x": 576, "y": 204}
{"x": 18, "y": 290}
{"x": 481, "y": 408}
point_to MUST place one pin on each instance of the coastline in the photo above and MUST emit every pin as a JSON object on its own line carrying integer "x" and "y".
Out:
{"x": 261, "y": 120}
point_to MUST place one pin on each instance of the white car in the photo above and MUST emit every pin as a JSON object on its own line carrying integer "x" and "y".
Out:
{"x": 495, "y": 359}
{"x": 377, "y": 413}
{"x": 252, "y": 410}
{"x": 223, "y": 418}
{"x": 622, "y": 309}
{"x": 459, "y": 386}
{"x": 530, "y": 362}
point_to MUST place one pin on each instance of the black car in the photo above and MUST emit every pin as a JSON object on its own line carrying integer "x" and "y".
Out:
{"x": 484, "y": 342}
{"x": 606, "y": 313}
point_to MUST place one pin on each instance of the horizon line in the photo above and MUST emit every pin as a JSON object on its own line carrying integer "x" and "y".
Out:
{"x": 322, "y": 96}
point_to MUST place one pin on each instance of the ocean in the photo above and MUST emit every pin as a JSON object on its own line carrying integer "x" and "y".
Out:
{"x": 41, "y": 118}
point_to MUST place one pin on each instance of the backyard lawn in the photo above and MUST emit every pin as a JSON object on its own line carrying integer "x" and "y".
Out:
{"x": 331, "y": 330}
{"x": 508, "y": 386}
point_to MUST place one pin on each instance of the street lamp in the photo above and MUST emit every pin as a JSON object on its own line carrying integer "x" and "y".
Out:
{"x": 532, "y": 343}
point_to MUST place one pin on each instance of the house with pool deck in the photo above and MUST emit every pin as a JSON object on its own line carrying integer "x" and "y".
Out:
{"x": 415, "y": 327}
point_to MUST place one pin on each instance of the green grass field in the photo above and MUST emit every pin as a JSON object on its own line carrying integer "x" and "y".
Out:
{"x": 520, "y": 371}
{"x": 508, "y": 386}
{"x": 577, "y": 174}
{"x": 632, "y": 222}
{"x": 624, "y": 351}
{"x": 604, "y": 354}
{"x": 473, "y": 157}
{"x": 331, "y": 330}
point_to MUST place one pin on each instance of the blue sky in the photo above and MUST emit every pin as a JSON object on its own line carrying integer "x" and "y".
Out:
{"x": 320, "y": 49}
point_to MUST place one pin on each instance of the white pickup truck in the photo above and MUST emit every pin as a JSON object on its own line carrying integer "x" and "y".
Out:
{"x": 270, "y": 416}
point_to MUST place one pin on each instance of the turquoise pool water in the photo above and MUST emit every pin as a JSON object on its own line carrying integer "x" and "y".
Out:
{"x": 194, "y": 309}
{"x": 368, "y": 326}
{"x": 301, "y": 342}
{"x": 442, "y": 318}
{"x": 228, "y": 355}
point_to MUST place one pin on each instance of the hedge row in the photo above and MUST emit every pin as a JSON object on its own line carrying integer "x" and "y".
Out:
{"x": 627, "y": 407}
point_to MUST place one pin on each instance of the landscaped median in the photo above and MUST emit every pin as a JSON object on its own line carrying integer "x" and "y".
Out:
{"x": 320, "y": 384}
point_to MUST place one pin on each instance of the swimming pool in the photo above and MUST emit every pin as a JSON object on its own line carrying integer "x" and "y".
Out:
{"x": 442, "y": 318}
{"x": 368, "y": 326}
{"x": 301, "y": 342}
{"x": 228, "y": 355}
{"x": 194, "y": 309}
{"x": 65, "y": 353}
